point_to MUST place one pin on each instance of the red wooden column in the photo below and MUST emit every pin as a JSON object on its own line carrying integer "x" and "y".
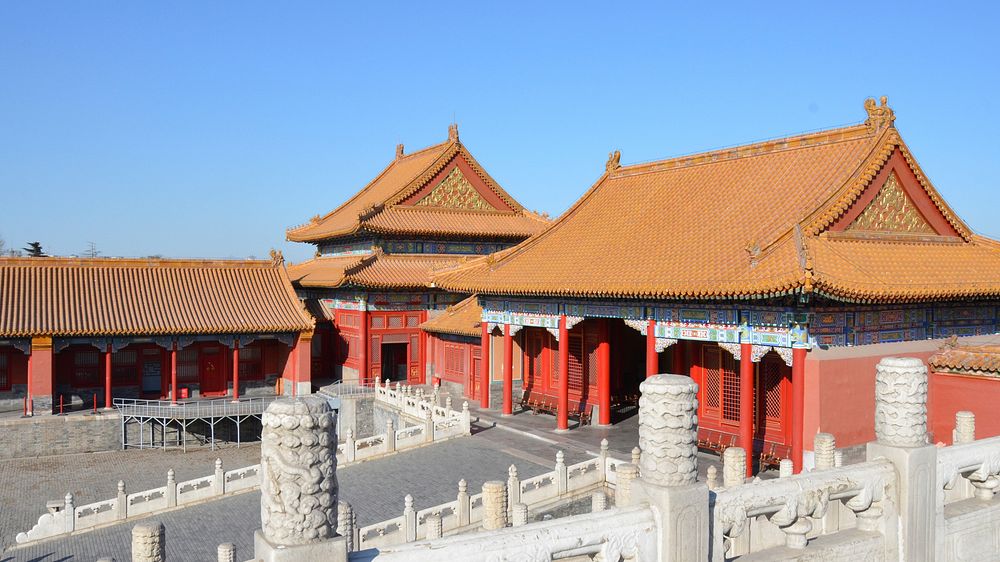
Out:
{"x": 604, "y": 375}
{"x": 363, "y": 344}
{"x": 798, "y": 404}
{"x": 562, "y": 416}
{"x": 746, "y": 403}
{"x": 173, "y": 374}
{"x": 652, "y": 365}
{"x": 508, "y": 371}
{"x": 678, "y": 358}
{"x": 236, "y": 370}
{"x": 484, "y": 366}
{"x": 107, "y": 378}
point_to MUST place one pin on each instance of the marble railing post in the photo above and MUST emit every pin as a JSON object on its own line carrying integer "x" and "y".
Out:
{"x": 901, "y": 432}
{"x": 513, "y": 487}
{"x": 350, "y": 447}
{"x": 298, "y": 483}
{"x": 627, "y": 473}
{"x": 520, "y": 516}
{"x": 429, "y": 425}
{"x": 148, "y": 542}
{"x": 494, "y": 505}
{"x": 390, "y": 436}
{"x": 668, "y": 466}
{"x": 598, "y": 502}
{"x": 433, "y": 523}
{"x": 965, "y": 427}
{"x": 226, "y": 552}
{"x": 464, "y": 509}
{"x": 345, "y": 523}
{"x": 219, "y": 482}
{"x": 409, "y": 519}
{"x": 121, "y": 503}
{"x": 734, "y": 467}
{"x": 824, "y": 446}
{"x": 171, "y": 488}
{"x": 562, "y": 477}
{"x": 466, "y": 419}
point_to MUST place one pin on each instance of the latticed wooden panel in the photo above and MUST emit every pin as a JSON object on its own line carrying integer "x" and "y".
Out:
{"x": 395, "y": 322}
{"x": 772, "y": 389}
{"x": 414, "y": 348}
{"x": 454, "y": 358}
{"x": 591, "y": 341}
{"x": 730, "y": 389}
{"x": 378, "y": 322}
{"x": 412, "y": 320}
{"x": 4, "y": 372}
{"x": 376, "y": 350}
{"x": 575, "y": 363}
{"x": 534, "y": 354}
{"x": 713, "y": 377}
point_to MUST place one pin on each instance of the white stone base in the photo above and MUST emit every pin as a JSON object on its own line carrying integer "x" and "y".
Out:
{"x": 333, "y": 550}
{"x": 683, "y": 518}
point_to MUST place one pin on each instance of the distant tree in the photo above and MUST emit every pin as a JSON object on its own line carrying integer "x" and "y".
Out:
{"x": 3, "y": 247}
{"x": 91, "y": 251}
{"x": 34, "y": 250}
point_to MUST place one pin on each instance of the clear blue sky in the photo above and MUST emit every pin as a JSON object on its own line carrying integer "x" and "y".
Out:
{"x": 206, "y": 129}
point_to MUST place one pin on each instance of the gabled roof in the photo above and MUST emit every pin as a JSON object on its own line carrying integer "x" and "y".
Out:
{"x": 392, "y": 202}
{"x": 375, "y": 271}
{"x": 461, "y": 319}
{"x": 111, "y": 297}
{"x": 753, "y": 221}
{"x": 967, "y": 359}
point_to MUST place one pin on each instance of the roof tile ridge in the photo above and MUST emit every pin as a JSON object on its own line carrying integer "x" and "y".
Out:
{"x": 364, "y": 262}
{"x": 949, "y": 214}
{"x": 451, "y": 210}
{"x": 412, "y": 185}
{"x": 308, "y": 321}
{"x": 70, "y": 261}
{"x": 771, "y": 146}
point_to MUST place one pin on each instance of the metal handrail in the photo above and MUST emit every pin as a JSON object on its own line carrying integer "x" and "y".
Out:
{"x": 134, "y": 407}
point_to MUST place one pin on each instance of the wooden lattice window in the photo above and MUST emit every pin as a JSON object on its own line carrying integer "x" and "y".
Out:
{"x": 553, "y": 362}
{"x": 575, "y": 363}
{"x": 414, "y": 348}
{"x": 730, "y": 389}
{"x": 250, "y": 362}
{"x": 378, "y": 322}
{"x": 591, "y": 340}
{"x": 713, "y": 377}
{"x": 376, "y": 350}
{"x": 454, "y": 359}
{"x": 187, "y": 365}
{"x": 4, "y": 370}
{"x": 395, "y": 322}
{"x": 412, "y": 321}
{"x": 87, "y": 367}
{"x": 772, "y": 389}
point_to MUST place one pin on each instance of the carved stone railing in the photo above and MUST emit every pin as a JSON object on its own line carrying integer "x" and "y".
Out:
{"x": 971, "y": 469}
{"x": 787, "y": 511}
{"x": 467, "y": 511}
{"x": 616, "y": 534}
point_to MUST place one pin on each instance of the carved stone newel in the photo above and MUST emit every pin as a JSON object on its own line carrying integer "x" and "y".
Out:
{"x": 901, "y": 402}
{"x": 298, "y": 503}
{"x": 668, "y": 430}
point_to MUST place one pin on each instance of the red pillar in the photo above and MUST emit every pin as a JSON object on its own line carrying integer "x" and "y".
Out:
{"x": 562, "y": 416}
{"x": 40, "y": 380}
{"x": 485, "y": 361}
{"x": 798, "y": 404}
{"x": 107, "y": 378}
{"x": 678, "y": 357}
{"x": 364, "y": 344}
{"x": 173, "y": 374}
{"x": 236, "y": 370}
{"x": 30, "y": 407}
{"x": 508, "y": 371}
{"x": 746, "y": 403}
{"x": 604, "y": 375}
{"x": 652, "y": 365}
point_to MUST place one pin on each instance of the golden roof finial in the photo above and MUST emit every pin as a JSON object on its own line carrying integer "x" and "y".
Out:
{"x": 314, "y": 219}
{"x": 276, "y": 257}
{"x": 614, "y": 161}
{"x": 879, "y": 116}
{"x": 453, "y": 132}
{"x": 399, "y": 151}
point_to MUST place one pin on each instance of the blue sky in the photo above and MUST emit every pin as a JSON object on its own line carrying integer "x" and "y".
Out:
{"x": 206, "y": 129}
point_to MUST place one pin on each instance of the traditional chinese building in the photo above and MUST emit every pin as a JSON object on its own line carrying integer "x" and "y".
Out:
{"x": 96, "y": 329}
{"x": 745, "y": 268}
{"x": 370, "y": 284}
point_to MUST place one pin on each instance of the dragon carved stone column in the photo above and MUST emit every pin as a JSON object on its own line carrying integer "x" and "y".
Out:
{"x": 298, "y": 503}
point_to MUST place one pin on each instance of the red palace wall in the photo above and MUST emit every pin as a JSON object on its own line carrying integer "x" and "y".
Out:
{"x": 950, "y": 393}
{"x": 455, "y": 360}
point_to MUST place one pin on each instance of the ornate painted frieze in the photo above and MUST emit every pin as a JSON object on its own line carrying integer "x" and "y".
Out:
{"x": 891, "y": 211}
{"x": 455, "y": 192}
{"x": 610, "y": 310}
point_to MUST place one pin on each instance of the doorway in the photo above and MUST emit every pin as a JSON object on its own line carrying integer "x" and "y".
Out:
{"x": 394, "y": 361}
{"x": 213, "y": 372}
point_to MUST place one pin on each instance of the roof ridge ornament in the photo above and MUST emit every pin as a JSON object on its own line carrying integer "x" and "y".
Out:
{"x": 399, "y": 151}
{"x": 277, "y": 258}
{"x": 453, "y": 132}
{"x": 614, "y": 161}
{"x": 879, "y": 116}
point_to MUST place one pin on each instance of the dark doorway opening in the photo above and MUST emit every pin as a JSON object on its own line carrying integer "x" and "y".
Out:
{"x": 394, "y": 361}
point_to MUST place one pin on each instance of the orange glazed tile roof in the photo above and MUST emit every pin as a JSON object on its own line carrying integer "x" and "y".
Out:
{"x": 108, "y": 297}
{"x": 376, "y": 270}
{"x": 746, "y": 222}
{"x": 967, "y": 359}
{"x": 382, "y": 207}
{"x": 461, "y": 319}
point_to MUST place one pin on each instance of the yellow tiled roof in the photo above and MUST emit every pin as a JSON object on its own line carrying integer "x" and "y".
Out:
{"x": 108, "y": 297}
{"x": 377, "y": 270}
{"x": 462, "y": 319}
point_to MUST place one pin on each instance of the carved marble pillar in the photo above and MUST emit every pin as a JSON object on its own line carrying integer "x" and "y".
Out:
{"x": 734, "y": 468}
{"x": 965, "y": 427}
{"x": 226, "y": 552}
{"x": 494, "y": 505}
{"x": 148, "y": 542}
{"x": 298, "y": 504}
{"x": 901, "y": 402}
{"x": 824, "y": 446}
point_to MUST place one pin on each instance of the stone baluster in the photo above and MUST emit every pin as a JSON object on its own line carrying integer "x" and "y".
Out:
{"x": 219, "y": 479}
{"x": 901, "y": 432}
{"x": 447, "y": 405}
{"x": 824, "y": 446}
{"x": 965, "y": 427}
{"x": 226, "y": 552}
{"x": 171, "y": 488}
{"x": 390, "y": 436}
{"x": 69, "y": 512}
{"x": 668, "y": 441}
{"x": 519, "y": 515}
{"x": 734, "y": 467}
{"x": 786, "y": 468}
{"x": 428, "y": 425}
{"x": 562, "y": 476}
{"x": 712, "y": 478}
{"x": 636, "y": 455}
{"x": 598, "y": 502}
{"x": 433, "y": 526}
{"x": 350, "y": 446}
{"x": 494, "y": 505}
{"x": 464, "y": 508}
{"x": 409, "y": 519}
{"x": 466, "y": 419}
{"x": 298, "y": 481}
{"x": 602, "y": 460}
{"x": 838, "y": 459}
{"x": 345, "y": 523}
{"x": 627, "y": 473}
{"x": 121, "y": 502}
{"x": 148, "y": 542}
{"x": 513, "y": 486}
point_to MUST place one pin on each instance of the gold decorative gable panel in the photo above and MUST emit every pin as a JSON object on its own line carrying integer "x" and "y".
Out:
{"x": 455, "y": 192}
{"x": 891, "y": 211}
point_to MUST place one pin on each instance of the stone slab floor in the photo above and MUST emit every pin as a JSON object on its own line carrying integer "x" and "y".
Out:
{"x": 375, "y": 489}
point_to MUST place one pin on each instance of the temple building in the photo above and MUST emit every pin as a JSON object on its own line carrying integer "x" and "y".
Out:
{"x": 775, "y": 274}
{"x": 369, "y": 285}
{"x": 91, "y": 330}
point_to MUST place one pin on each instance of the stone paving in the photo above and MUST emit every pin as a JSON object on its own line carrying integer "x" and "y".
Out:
{"x": 375, "y": 489}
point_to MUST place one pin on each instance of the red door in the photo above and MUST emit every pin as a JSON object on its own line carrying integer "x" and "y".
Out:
{"x": 474, "y": 375}
{"x": 774, "y": 386}
{"x": 213, "y": 372}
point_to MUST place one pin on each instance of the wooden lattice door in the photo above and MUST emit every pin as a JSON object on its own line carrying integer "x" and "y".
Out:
{"x": 721, "y": 392}
{"x": 773, "y": 391}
